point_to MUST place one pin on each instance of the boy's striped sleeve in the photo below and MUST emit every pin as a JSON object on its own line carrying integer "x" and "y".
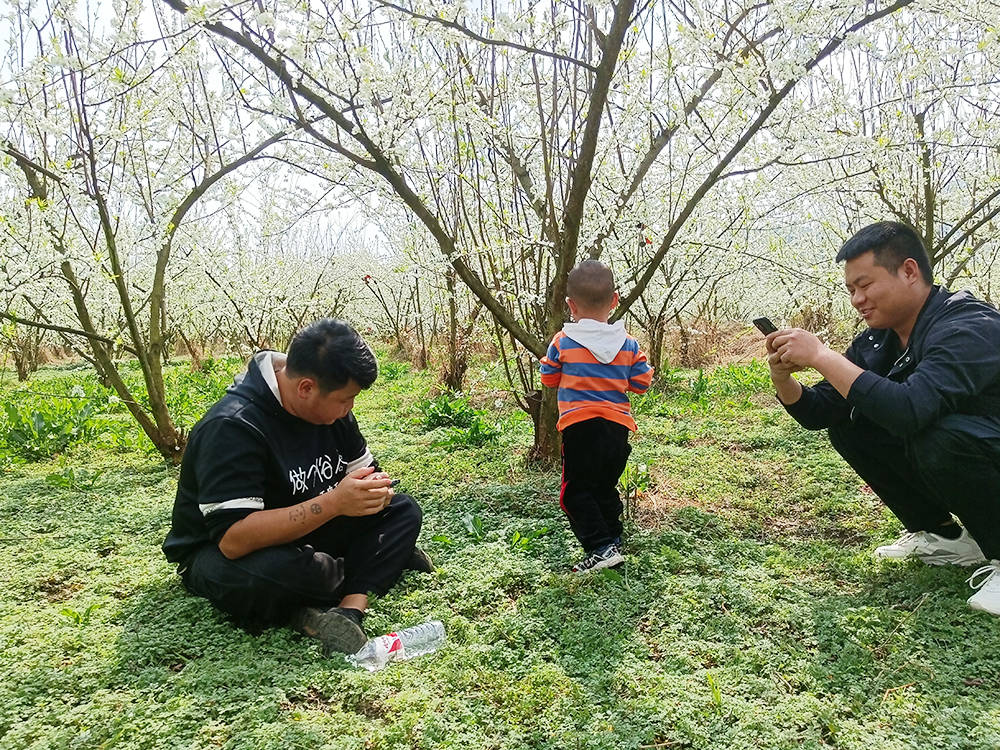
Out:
{"x": 551, "y": 367}
{"x": 640, "y": 374}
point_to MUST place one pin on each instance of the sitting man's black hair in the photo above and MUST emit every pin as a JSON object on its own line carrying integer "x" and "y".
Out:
{"x": 892, "y": 243}
{"x": 333, "y": 354}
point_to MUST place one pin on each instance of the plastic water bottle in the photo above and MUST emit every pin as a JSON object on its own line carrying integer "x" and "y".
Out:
{"x": 406, "y": 644}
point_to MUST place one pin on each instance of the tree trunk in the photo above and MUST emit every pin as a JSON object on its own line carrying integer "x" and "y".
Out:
{"x": 544, "y": 409}
{"x": 192, "y": 350}
{"x": 22, "y": 367}
{"x": 454, "y": 374}
{"x": 656, "y": 334}
{"x": 685, "y": 345}
{"x": 423, "y": 358}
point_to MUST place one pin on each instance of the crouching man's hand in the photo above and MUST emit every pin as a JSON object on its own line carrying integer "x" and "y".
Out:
{"x": 793, "y": 349}
{"x": 788, "y": 388}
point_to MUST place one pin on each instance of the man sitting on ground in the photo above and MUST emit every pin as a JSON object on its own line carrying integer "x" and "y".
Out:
{"x": 914, "y": 404}
{"x": 282, "y": 515}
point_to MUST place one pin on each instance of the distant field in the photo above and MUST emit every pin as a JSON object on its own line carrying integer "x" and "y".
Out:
{"x": 749, "y": 613}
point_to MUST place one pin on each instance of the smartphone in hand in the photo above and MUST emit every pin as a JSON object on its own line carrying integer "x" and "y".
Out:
{"x": 394, "y": 482}
{"x": 765, "y": 326}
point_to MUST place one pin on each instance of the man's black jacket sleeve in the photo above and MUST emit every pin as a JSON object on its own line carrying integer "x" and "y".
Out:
{"x": 230, "y": 474}
{"x": 957, "y": 364}
{"x": 953, "y": 366}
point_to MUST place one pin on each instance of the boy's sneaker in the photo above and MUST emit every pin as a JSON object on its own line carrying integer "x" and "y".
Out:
{"x": 607, "y": 556}
{"x": 987, "y": 596}
{"x": 338, "y": 629}
{"x": 933, "y": 549}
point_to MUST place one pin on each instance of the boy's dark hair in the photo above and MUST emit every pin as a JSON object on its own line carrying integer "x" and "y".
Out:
{"x": 892, "y": 243}
{"x": 332, "y": 353}
{"x": 590, "y": 284}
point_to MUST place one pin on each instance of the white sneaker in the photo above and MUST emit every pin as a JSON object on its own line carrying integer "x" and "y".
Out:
{"x": 933, "y": 549}
{"x": 987, "y": 596}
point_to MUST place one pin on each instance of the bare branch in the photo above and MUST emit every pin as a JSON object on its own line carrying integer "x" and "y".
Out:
{"x": 64, "y": 329}
{"x": 461, "y": 28}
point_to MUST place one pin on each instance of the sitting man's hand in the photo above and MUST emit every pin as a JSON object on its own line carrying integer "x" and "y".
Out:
{"x": 363, "y": 493}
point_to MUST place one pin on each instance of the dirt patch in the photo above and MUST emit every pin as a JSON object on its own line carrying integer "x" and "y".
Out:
{"x": 784, "y": 527}
{"x": 312, "y": 700}
{"x": 765, "y": 400}
{"x": 656, "y": 509}
{"x": 801, "y": 526}
{"x": 57, "y": 355}
{"x": 367, "y": 707}
{"x": 653, "y": 509}
{"x": 703, "y": 343}
{"x": 58, "y": 587}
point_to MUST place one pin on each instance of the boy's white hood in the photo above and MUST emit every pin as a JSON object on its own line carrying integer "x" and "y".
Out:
{"x": 604, "y": 340}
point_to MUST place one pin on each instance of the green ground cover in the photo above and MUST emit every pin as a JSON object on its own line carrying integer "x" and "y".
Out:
{"x": 749, "y": 614}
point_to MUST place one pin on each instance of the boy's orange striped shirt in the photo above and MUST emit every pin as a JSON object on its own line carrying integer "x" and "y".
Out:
{"x": 589, "y": 388}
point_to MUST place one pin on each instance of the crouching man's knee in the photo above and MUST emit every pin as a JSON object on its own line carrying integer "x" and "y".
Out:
{"x": 945, "y": 449}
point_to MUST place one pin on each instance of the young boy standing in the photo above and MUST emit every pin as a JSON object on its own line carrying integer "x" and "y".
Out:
{"x": 594, "y": 364}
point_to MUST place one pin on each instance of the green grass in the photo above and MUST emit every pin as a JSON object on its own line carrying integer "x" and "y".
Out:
{"x": 749, "y": 615}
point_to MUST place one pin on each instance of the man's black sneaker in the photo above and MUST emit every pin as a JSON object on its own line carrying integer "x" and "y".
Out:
{"x": 607, "y": 556}
{"x": 420, "y": 561}
{"x": 336, "y": 628}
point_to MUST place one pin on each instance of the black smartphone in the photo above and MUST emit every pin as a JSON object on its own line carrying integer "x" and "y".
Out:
{"x": 764, "y": 325}
{"x": 394, "y": 482}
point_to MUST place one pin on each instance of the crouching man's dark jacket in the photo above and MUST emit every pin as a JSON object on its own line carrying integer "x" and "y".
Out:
{"x": 951, "y": 366}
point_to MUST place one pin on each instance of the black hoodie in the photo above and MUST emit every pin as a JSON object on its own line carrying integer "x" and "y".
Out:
{"x": 248, "y": 454}
{"x": 950, "y": 366}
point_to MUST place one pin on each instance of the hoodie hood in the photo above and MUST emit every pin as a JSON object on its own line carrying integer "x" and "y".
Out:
{"x": 603, "y": 340}
{"x": 259, "y": 383}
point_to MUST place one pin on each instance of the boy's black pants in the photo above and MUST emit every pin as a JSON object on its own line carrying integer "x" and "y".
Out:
{"x": 346, "y": 555}
{"x": 925, "y": 478}
{"x": 594, "y": 453}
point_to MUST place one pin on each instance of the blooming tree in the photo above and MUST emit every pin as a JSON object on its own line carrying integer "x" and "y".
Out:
{"x": 525, "y": 137}
{"x": 110, "y": 141}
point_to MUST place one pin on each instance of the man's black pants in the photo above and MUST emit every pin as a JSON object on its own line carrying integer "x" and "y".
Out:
{"x": 347, "y": 555}
{"x": 594, "y": 454}
{"x": 924, "y": 479}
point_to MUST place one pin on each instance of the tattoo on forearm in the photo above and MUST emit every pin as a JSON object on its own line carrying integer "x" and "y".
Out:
{"x": 316, "y": 508}
{"x": 297, "y": 514}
